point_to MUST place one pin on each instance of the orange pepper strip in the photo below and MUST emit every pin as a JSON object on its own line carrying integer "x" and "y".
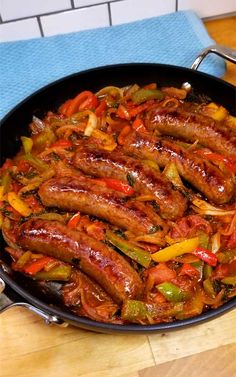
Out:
{"x": 151, "y": 86}
{"x": 64, "y": 143}
{"x": 36, "y": 266}
{"x": 138, "y": 125}
{"x": 124, "y": 132}
{"x": 74, "y": 221}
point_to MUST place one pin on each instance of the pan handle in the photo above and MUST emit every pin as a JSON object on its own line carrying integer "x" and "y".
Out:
{"x": 225, "y": 52}
{"x": 7, "y": 303}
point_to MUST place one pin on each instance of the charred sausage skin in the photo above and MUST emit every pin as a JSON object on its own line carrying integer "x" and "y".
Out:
{"x": 207, "y": 178}
{"x": 145, "y": 180}
{"x": 97, "y": 260}
{"x": 81, "y": 194}
{"x": 190, "y": 126}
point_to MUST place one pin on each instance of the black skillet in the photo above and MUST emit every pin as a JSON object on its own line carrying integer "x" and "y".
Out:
{"x": 19, "y": 291}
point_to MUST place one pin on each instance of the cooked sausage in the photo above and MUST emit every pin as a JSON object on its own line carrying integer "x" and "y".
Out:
{"x": 96, "y": 259}
{"x": 84, "y": 195}
{"x": 191, "y": 127}
{"x": 80, "y": 290}
{"x": 145, "y": 180}
{"x": 207, "y": 178}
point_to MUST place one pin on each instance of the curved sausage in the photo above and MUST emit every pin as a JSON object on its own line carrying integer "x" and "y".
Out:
{"x": 145, "y": 180}
{"x": 207, "y": 178}
{"x": 96, "y": 259}
{"x": 191, "y": 127}
{"x": 84, "y": 195}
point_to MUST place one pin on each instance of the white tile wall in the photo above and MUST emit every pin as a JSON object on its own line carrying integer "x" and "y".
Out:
{"x": 14, "y": 9}
{"x": 63, "y": 16}
{"x": 24, "y": 29}
{"x": 80, "y": 19}
{"x": 132, "y": 10}
{"x": 208, "y": 8}
{"x": 84, "y": 3}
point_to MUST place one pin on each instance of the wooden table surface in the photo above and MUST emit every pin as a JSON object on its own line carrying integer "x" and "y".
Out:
{"x": 29, "y": 348}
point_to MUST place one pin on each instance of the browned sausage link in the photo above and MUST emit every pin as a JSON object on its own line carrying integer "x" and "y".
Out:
{"x": 145, "y": 180}
{"x": 191, "y": 127}
{"x": 95, "y": 258}
{"x": 207, "y": 178}
{"x": 70, "y": 292}
{"x": 73, "y": 194}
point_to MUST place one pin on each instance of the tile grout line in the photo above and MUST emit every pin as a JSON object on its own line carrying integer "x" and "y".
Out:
{"x": 109, "y": 13}
{"x": 52, "y": 13}
{"x": 40, "y": 26}
{"x": 72, "y": 4}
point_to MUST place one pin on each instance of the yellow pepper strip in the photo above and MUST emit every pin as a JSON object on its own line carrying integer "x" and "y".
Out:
{"x": 107, "y": 141}
{"x": 1, "y": 192}
{"x": 215, "y": 111}
{"x": 1, "y": 220}
{"x": 18, "y": 204}
{"x": 169, "y": 252}
{"x": 27, "y": 144}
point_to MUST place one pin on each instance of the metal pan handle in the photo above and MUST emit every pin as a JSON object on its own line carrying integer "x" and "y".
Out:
{"x": 7, "y": 303}
{"x": 225, "y": 52}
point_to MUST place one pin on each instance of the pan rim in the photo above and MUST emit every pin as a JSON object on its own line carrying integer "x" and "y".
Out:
{"x": 86, "y": 323}
{"x": 114, "y": 66}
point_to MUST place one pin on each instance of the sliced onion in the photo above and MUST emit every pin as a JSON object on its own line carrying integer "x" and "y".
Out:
{"x": 204, "y": 208}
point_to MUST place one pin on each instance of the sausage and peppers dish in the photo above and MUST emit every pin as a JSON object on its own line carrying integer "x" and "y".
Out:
{"x": 126, "y": 199}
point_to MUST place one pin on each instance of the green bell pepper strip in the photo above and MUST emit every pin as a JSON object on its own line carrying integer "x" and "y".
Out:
{"x": 193, "y": 307}
{"x": 36, "y": 162}
{"x": 137, "y": 311}
{"x": 141, "y": 256}
{"x": 207, "y": 271}
{"x": 61, "y": 272}
{"x": 203, "y": 240}
{"x": 143, "y": 95}
{"x": 171, "y": 292}
{"x": 231, "y": 280}
{"x": 226, "y": 256}
{"x": 209, "y": 288}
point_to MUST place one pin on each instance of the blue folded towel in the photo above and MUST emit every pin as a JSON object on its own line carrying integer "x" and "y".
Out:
{"x": 28, "y": 65}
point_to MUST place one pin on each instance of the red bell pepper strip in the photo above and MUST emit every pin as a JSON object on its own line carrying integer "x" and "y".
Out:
{"x": 206, "y": 255}
{"x": 84, "y": 100}
{"x": 64, "y": 143}
{"x": 123, "y": 112}
{"x": 101, "y": 108}
{"x": 189, "y": 270}
{"x": 74, "y": 221}
{"x": 117, "y": 185}
{"x": 37, "y": 265}
{"x": 230, "y": 162}
{"x": 64, "y": 107}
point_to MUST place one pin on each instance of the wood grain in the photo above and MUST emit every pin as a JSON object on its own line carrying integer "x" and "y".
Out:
{"x": 224, "y": 32}
{"x": 204, "y": 364}
{"x": 29, "y": 348}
